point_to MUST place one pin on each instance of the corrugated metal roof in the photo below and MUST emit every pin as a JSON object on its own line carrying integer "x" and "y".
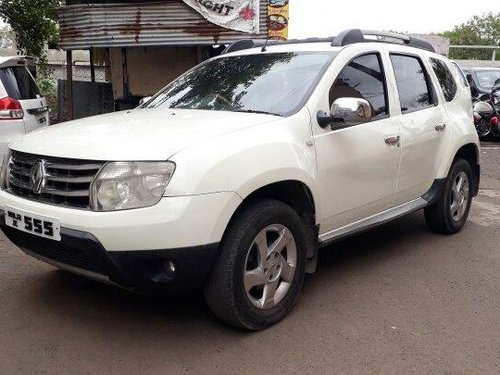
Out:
{"x": 169, "y": 22}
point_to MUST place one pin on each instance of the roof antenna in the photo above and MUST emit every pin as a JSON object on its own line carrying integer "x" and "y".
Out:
{"x": 264, "y": 47}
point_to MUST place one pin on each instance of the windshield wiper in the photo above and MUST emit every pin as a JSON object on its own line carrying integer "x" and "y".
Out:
{"x": 255, "y": 111}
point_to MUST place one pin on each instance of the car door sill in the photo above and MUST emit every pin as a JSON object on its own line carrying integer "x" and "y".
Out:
{"x": 372, "y": 221}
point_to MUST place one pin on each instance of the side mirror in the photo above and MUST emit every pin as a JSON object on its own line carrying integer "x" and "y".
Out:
{"x": 346, "y": 112}
{"x": 144, "y": 100}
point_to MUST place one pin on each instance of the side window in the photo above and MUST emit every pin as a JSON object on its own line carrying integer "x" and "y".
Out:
{"x": 414, "y": 87}
{"x": 363, "y": 78}
{"x": 445, "y": 78}
{"x": 461, "y": 73}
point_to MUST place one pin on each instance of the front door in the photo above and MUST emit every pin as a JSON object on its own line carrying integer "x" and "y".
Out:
{"x": 358, "y": 166}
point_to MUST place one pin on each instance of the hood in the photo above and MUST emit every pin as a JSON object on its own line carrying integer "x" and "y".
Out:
{"x": 139, "y": 134}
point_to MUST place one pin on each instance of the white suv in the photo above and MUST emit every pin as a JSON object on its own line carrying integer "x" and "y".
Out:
{"x": 22, "y": 107}
{"x": 233, "y": 175}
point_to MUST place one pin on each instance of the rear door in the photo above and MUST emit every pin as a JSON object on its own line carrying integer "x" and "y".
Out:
{"x": 423, "y": 126}
{"x": 19, "y": 84}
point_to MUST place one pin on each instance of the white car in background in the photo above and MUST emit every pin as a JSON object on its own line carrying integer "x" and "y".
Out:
{"x": 22, "y": 107}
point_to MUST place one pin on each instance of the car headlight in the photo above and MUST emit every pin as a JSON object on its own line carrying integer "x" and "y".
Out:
{"x": 127, "y": 185}
{"x": 4, "y": 173}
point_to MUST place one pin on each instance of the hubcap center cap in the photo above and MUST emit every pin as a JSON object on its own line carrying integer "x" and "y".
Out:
{"x": 273, "y": 266}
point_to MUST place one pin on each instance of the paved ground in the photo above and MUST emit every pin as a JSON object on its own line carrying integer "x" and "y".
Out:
{"x": 395, "y": 300}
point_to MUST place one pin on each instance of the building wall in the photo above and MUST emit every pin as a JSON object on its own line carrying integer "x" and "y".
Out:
{"x": 80, "y": 73}
{"x": 142, "y": 71}
{"x": 57, "y": 65}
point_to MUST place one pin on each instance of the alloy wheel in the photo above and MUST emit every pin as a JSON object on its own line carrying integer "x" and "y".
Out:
{"x": 460, "y": 196}
{"x": 270, "y": 266}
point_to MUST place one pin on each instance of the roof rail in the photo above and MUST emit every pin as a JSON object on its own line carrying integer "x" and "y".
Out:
{"x": 242, "y": 44}
{"x": 359, "y": 36}
{"x": 345, "y": 38}
{"x": 253, "y": 43}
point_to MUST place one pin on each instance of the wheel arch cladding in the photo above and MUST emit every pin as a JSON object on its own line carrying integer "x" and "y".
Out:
{"x": 470, "y": 153}
{"x": 299, "y": 197}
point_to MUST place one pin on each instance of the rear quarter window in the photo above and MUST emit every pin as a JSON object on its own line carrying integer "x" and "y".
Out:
{"x": 461, "y": 74}
{"x": 19, "y": 83}
{"x": 445, "y": 78}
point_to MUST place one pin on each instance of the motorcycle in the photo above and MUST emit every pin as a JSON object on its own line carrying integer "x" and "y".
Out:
{"x": 487, "y": 113}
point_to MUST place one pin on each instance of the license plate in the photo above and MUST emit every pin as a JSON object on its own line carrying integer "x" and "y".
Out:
{"x": 28, "y": 222}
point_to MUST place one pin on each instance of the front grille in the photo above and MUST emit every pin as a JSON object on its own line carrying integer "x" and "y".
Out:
{"x": 66, "y": 182}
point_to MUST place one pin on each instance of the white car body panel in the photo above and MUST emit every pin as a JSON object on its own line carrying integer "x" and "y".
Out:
{"x": 366, "y": 181}
{"x": 459, "y": 113}
{"x": 36, "y": 114}
{"x": 421, "y": 145}
{"x": 270, "y": 152}
{"x": 139, "y": 134}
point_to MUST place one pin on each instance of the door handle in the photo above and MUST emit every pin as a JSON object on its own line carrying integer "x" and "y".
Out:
{"x": 440, "y": 127}
{"x": 393, "y": 141}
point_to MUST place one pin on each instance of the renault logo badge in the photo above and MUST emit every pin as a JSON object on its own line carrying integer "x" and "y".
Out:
{"x": 37, "y": 178}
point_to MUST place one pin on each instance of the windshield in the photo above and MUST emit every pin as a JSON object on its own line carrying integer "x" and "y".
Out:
{"x": 274, "y": 83}
{"x": 486, "y": 78}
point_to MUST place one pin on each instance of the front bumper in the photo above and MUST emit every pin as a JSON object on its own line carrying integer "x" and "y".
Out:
{"x": 175, "y": 222}
{"x": 132, "y": 248}
{"x": 81, "y": 252}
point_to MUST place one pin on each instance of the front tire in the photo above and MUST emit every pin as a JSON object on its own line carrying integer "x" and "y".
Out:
{"x": 449, "y": 214}
{"x": 261, "y": 266}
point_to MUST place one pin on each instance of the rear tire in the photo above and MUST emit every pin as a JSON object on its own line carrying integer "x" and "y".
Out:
{"x": 254, "y": 284}
{"x": 449, "y": 214}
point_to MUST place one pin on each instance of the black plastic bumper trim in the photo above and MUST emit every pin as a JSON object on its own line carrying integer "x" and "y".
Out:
{"x": 433, "y": 194}
{"x": 143, "y": 270}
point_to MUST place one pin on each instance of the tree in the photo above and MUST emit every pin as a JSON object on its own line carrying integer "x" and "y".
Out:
{"x": 34, "y": 23}
{"x": 479, "y": 30}
{"x": 7, "y": 38}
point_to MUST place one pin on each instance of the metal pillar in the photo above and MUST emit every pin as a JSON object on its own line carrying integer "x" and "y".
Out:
{"x": 92, "y": 65}
{"x": 69, "y": 85}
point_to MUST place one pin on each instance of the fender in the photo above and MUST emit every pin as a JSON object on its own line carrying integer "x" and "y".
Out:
{"x": 247, "y": 160}
{"x": 446, "y": 164}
